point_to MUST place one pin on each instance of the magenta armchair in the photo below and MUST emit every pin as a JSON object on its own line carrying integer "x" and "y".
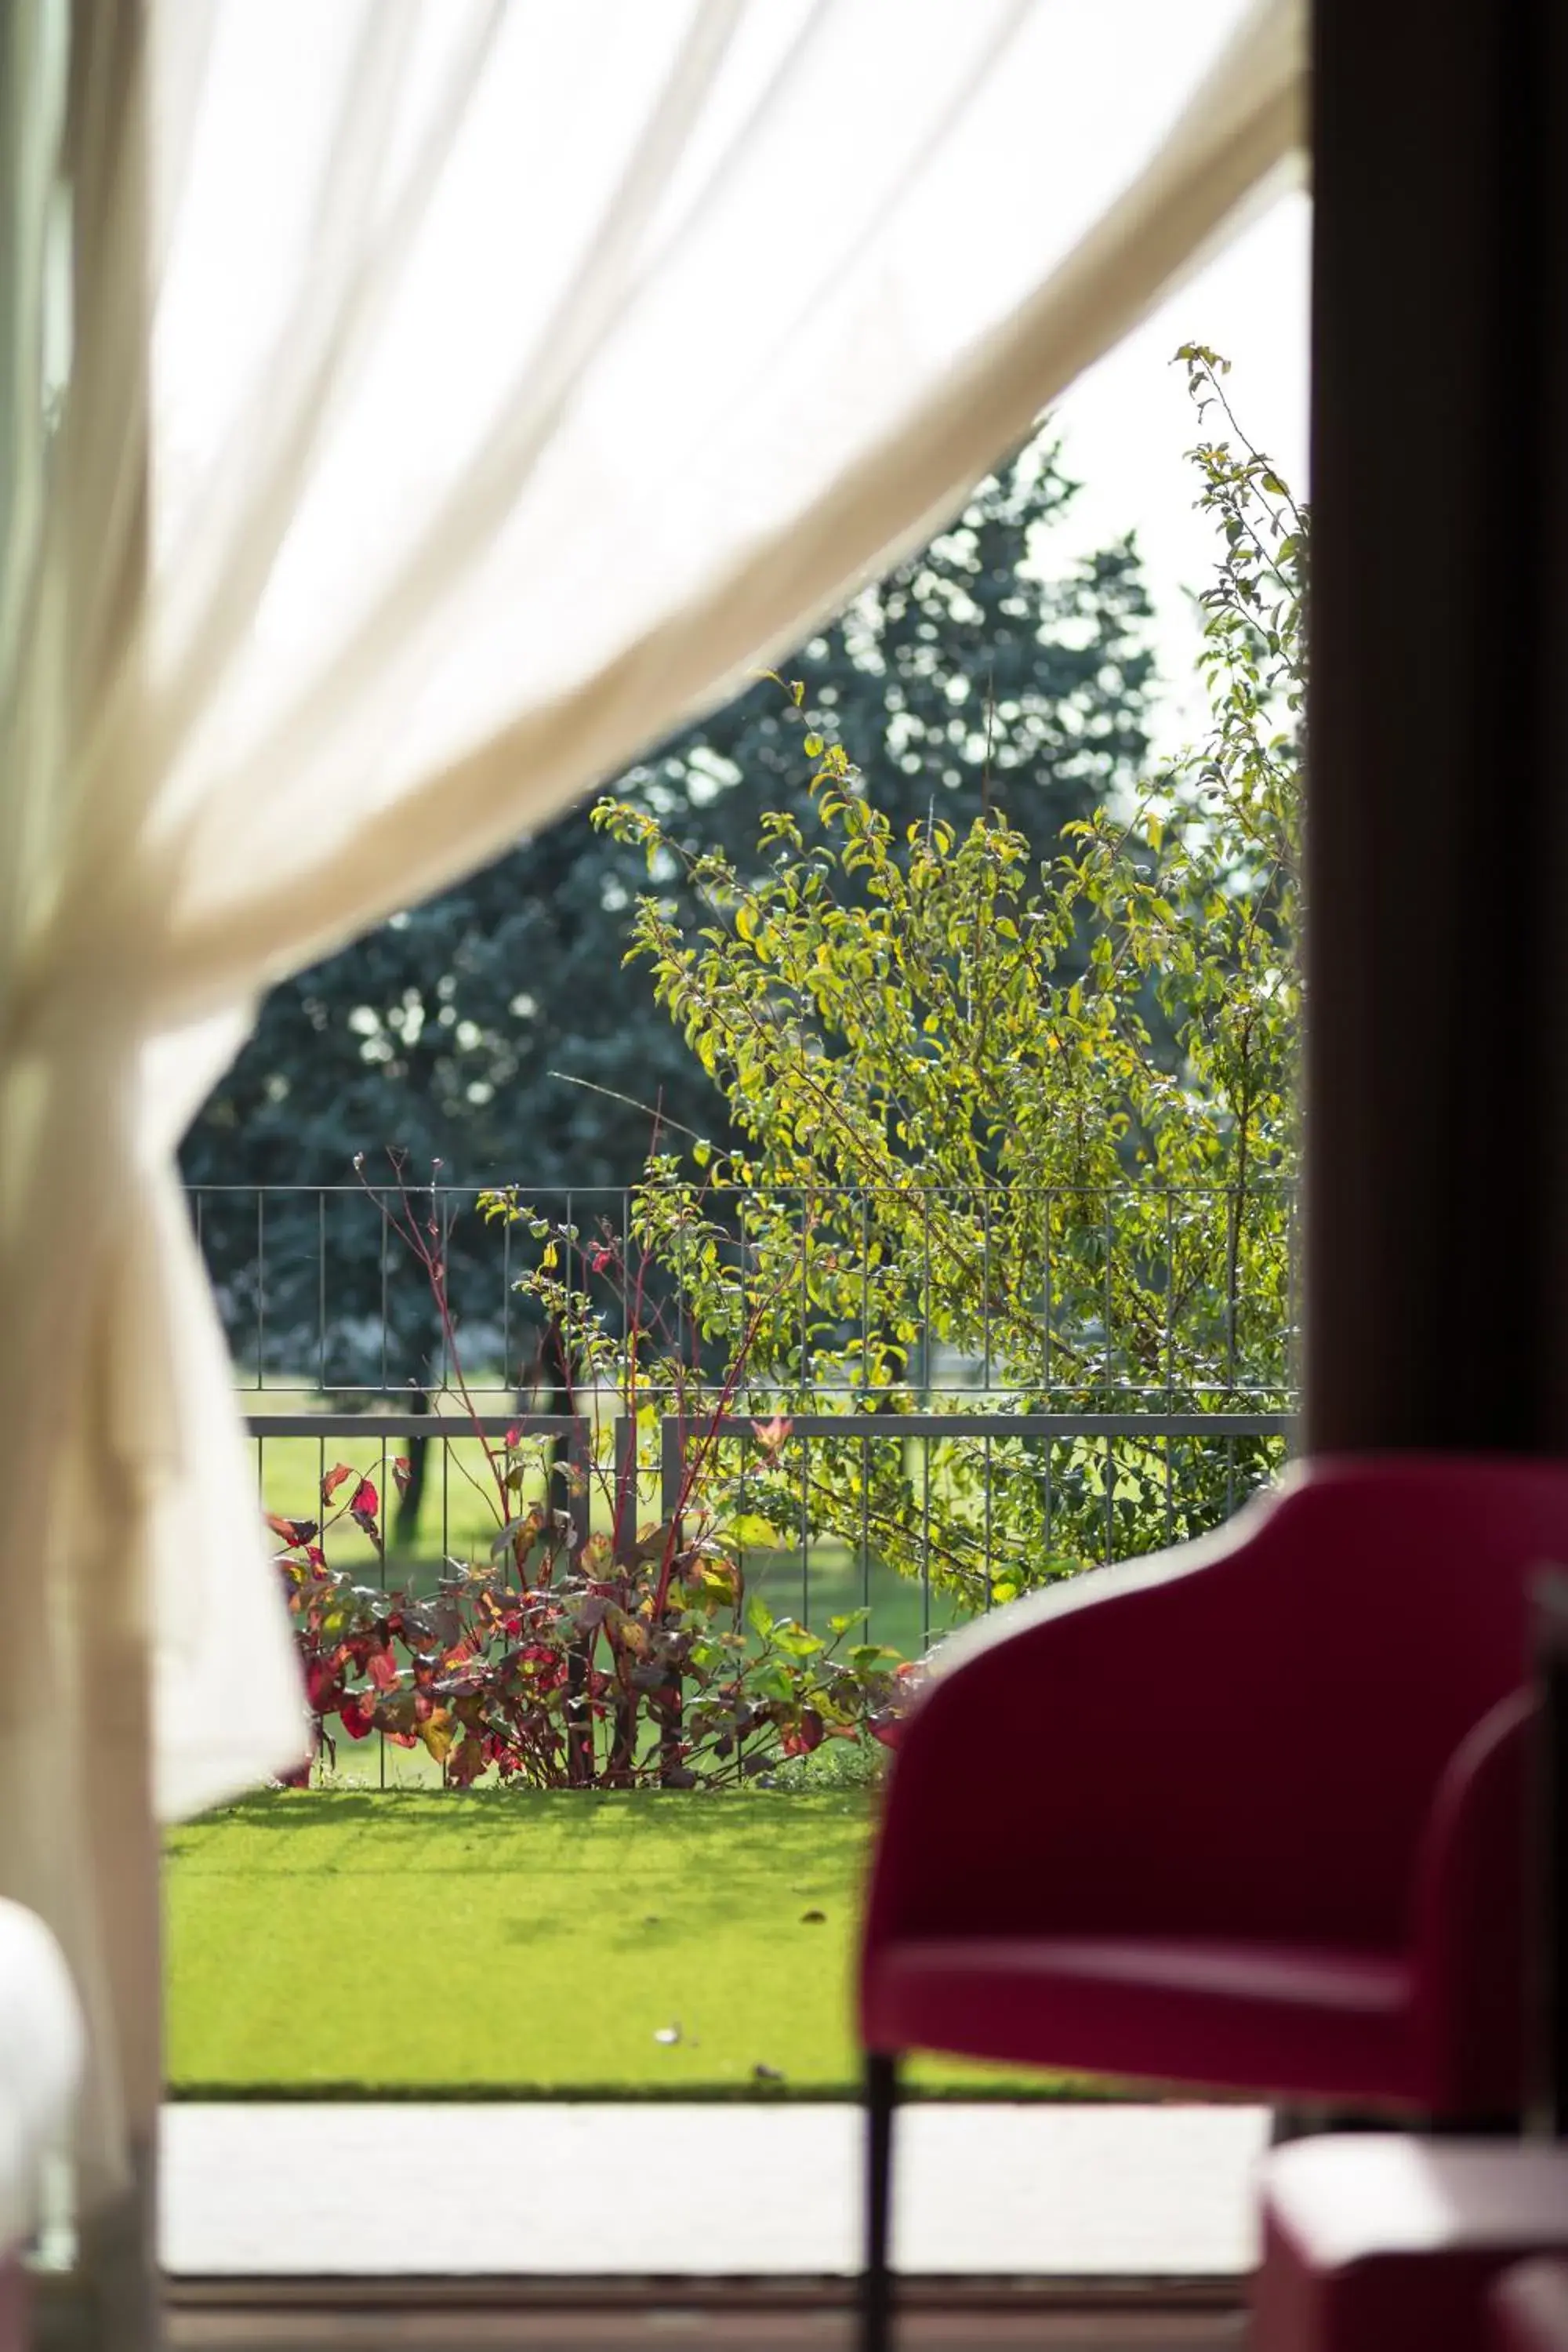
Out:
{"x": 1247, "y": 1816}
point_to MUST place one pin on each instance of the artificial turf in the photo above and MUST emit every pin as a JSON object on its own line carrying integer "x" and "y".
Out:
{"x": 485, "y": 1944}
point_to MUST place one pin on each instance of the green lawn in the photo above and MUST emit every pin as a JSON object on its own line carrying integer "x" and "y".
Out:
{"x": 485, "y": 1945}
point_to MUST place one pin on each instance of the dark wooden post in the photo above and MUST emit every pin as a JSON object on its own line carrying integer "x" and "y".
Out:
{"x": 1436, "y": 851}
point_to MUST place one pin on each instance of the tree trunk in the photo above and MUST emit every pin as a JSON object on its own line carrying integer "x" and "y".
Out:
{"x": 406, "y": 1529}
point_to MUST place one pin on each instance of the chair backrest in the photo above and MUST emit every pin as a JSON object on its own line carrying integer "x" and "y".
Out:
{"x": 1391, "y": 1596}
{"x": 1248, "y": 1737}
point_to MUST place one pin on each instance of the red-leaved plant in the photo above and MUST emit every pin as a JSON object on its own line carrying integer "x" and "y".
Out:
{"x": 569, "y": 1658}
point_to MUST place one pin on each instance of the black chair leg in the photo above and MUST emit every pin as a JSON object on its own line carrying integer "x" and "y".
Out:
{"x": 877, "y": 2280}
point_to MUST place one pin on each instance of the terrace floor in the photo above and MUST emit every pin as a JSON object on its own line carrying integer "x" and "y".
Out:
{"x": 587, "y": 2224}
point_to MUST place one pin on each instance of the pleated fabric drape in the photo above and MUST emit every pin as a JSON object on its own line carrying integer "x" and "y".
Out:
{"x": 409, "y": 411}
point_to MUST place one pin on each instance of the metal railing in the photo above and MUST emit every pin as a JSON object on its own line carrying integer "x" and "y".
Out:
{"x": 1183, "y": 1298}
{"x": 922, "y": 1508}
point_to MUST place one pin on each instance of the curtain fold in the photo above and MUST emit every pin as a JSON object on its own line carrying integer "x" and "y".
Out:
{"x": 409, "y": 413}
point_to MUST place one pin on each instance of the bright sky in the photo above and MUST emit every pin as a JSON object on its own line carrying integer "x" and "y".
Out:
{"x": 1127, "y": 423}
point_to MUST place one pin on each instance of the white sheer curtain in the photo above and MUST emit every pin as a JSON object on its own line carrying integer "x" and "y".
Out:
{"x": 408, "y": 409}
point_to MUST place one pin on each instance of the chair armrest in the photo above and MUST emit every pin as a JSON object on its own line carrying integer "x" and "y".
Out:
{"x": 1470, "y": 1907}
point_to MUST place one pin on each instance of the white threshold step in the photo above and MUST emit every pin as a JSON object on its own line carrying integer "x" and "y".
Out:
{"x": 406, "y": 2189}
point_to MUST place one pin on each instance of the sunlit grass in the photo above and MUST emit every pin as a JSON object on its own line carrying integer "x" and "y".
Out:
{"x": 486, "y": 1944}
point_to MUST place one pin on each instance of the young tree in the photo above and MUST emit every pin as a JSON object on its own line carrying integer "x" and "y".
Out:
{"x": 1037, "y": 1114}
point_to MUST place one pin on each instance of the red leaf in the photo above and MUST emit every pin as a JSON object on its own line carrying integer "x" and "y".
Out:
{"x": 363, "y": 1508}
{"x": 324, "y": 1684}
{"x": 805, "y": 1735}
{"x": 513, "y": 1439}
{"x": 333, "y": 1480}
{"x": 402, "y": 1474}
{"x": 294, "y": 1532}
{"x": 357, "y": 1713}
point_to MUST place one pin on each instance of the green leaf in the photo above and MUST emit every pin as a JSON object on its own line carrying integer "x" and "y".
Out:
{"x": 757, "y": 1534}
{"x": 795, "y": 1639}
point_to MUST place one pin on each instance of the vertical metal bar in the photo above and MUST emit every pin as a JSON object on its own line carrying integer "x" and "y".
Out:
{"x": 260, "y": 1289}
{"x": 1232, "y": 1280}
{"x": 865, "y": 1291}
{"x": 1048, "y": 1280}
{"x": 1049, "y": 1277}
{"x": 747, "y": 1498}
{"x": 925, "y": 1317}
{"x": 570, "y": 1223}
{"x": 322, "y": 1289}
{"x": 805, "y": 1287}
{"x": 986, "y": 1292}
{"x": 804, "y": 1443}
{"x": 1170, "y": 1358}
{"x": 1109, "y": 1313}
{"x": 442, "y": 1206}
{"x": 925, "y": 1544}
{"x": 744, "y": 1244}
{"x": 671, "y": 1465}
{"x": 383, "y": 1498}
{"x": 1292, "y": 1364}
{"x": 506, "y": 1360}
{"x": 381, "y": 1741}
{"x": 1170, "y": 1335}
{"x": 865, "y": 1532}
{"x": 385, "y": 1305}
